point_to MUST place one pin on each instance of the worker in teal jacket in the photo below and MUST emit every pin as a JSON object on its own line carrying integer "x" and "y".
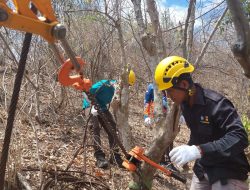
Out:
{"x": 104, "y": 92}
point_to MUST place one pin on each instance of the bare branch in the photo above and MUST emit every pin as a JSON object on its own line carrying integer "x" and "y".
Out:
{"x": 199, "y": 58}
{"x": 15, "y": 60}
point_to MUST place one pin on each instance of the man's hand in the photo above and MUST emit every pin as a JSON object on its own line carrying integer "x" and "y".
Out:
{"x": 148, "y": 122}
{"x": 182, "y": 154}
{"x": 94, "y": 111}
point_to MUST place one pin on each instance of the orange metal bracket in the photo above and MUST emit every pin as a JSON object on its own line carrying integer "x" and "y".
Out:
{"x": 25, "y": 20}
{"x": 43, "y": 6}
{"x": 137, "y": 155}
{"x": 77, "y": 81}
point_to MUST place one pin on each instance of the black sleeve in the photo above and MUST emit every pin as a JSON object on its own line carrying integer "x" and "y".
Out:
{"x": 191, "y": 140}
{"x": 235, "y": 138}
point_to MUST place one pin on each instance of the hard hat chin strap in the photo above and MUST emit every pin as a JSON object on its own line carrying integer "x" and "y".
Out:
{"x": 187, "y": 77}
{"x": 189, "y": 90}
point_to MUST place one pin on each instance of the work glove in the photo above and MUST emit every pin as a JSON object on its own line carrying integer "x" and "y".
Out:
{"x": 182, "y": 120}
{"x": 94, "y": 111}
{"x": 148, "y": 122}
{"x": 182, "y": 154}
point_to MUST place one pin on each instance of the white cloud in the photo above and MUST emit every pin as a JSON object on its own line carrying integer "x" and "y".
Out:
{"x": 178, "y": 13}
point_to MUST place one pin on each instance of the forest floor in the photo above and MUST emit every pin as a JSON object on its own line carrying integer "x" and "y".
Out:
{"x": 58, "y": 137}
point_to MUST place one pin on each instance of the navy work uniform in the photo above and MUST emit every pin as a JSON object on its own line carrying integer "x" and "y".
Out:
{"x": 216, "y": 127}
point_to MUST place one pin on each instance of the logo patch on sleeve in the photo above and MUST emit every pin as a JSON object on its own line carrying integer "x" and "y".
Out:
{"x": 204, "y": 119}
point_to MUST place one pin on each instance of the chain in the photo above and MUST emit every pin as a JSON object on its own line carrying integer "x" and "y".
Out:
{"x": 107, "y": 123}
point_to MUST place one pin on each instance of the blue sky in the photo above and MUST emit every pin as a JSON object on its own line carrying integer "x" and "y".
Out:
{"x": 178, "y": 8}
{"x": 182, "y": 3}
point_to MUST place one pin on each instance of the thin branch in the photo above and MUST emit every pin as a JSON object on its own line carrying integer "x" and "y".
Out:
{"x": 141, "y": 48}
{"x": 90, "y": 10}
{"x": 15, "y": 60}
{"x": 199, "y": 58}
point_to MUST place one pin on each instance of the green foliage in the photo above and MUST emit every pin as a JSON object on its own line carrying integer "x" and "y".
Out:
{"x": 246, "y": 124}
{"x": 94, "y": 17}
{"x": 135, "y": 186}
{"x": 246, "y": 6}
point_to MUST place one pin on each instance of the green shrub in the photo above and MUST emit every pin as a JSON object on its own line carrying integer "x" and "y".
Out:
{"x": 246, "y": 124}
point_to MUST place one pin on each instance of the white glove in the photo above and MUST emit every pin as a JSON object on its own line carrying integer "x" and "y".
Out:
{"x": 94, "y": 111}
{"x": 182, "y": 154}
{"x": 148, "y": 122}
{"x": 182, "y": 120}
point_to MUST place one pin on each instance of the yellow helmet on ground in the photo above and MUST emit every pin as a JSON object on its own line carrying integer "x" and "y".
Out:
{"x": 131, "y": 78}
{"x": 169, "y": 69}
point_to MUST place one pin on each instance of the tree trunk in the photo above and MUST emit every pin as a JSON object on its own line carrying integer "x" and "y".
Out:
{"x": 166, "y": 127}
{"x": 122, "y": 111}
{"x": 139, "y": 17}
{"x": 165, "y": 133}
{"x": 241, "y": 49}
{"x": 154, "y": 17}
{"x": 190, "y": 30}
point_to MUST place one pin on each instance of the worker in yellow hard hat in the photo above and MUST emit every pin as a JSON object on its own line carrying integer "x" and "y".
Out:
{"x": 170, "y": 71}
{"x": 218, "y": 138}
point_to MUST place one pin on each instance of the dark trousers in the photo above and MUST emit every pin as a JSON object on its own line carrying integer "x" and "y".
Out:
{"x": 232, "y": 184}
{"x": 97, "y": 121}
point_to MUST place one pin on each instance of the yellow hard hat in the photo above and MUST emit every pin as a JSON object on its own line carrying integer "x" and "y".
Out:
{"x": 169, "y": 69}
{"x": 131, "y": 78}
